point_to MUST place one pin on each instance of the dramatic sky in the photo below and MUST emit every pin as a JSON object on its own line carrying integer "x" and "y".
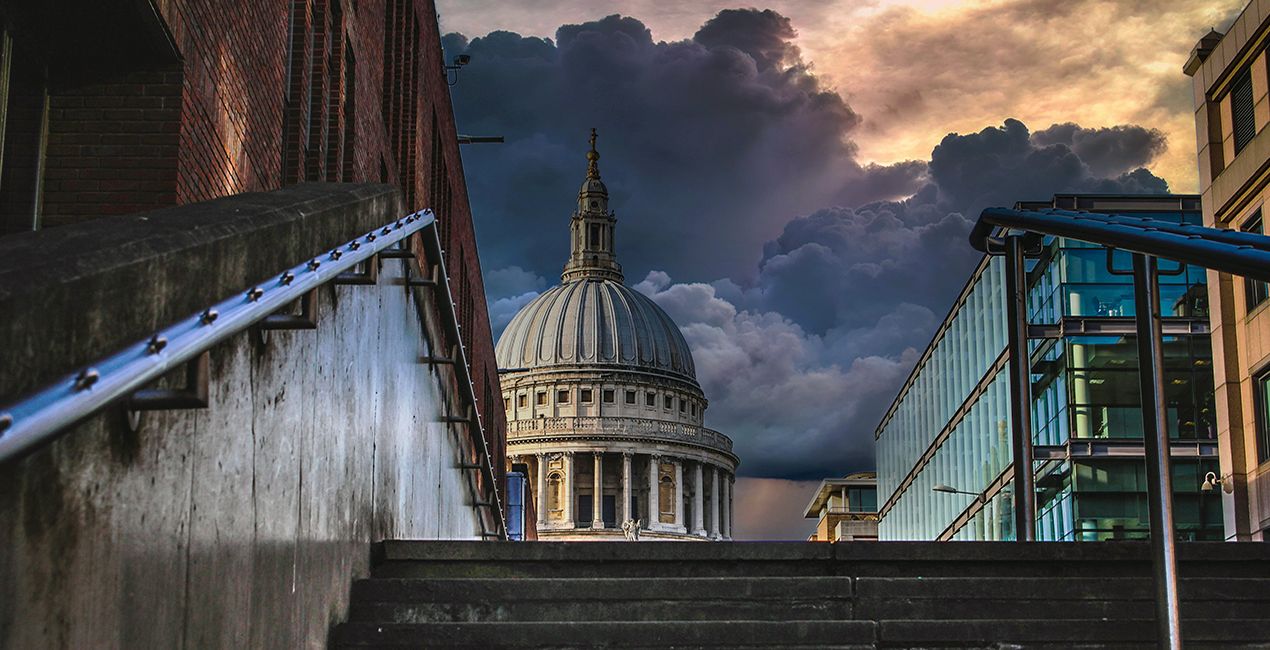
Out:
{"x": 794, "y": 183}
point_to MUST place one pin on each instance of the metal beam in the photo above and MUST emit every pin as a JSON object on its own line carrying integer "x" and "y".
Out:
{"x": 1156, "y": 438}
{"x": 1110, "y": 325}
{"x": 1020, "y": 390}
{"x": 1244, "y": 254}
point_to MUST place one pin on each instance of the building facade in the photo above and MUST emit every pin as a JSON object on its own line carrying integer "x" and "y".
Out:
{"x": 846, "y": 509}
{"x": 110, "y": 108}
{"x": 944, "y": 453}
{"x": 603, "y": 406}
{"x": 1229, "y": 76}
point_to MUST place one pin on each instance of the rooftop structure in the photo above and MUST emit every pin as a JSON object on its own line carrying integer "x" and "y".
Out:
{"x": 847, "y": 509}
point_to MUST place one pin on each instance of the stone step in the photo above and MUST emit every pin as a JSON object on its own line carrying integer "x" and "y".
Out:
{"x": 401, "y": 559}
{"x": 589, "y": 610}
{"x": 600, "y": 589}
{"x": 625, "y": 634}
{"x": 1065, "y": 633}
{"x": 1065, "y": 588}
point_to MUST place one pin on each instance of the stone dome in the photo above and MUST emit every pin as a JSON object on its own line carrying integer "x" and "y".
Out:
{"x": 595, "y": 322}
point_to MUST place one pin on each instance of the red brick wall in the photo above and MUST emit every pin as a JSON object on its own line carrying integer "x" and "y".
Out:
{"x": 112, "y": 147}
{"x": 268, "y": 93}
{"x": 239, "y": 111}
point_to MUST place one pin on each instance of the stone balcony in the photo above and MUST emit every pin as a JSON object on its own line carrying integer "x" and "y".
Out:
{"x": 589, "y": 426}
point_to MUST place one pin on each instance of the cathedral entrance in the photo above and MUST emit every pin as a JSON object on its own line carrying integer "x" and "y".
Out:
{"x": 609, "y": 507}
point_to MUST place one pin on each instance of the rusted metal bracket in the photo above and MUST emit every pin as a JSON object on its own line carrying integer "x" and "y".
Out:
{"x": 192, "y": 396}
{"x": 434, "y": 360}
{"x": 422, "y": 282}
{"x": 364, "y": 273}
{"x": 305, "y": 320}
{"x": 459, "y": 419}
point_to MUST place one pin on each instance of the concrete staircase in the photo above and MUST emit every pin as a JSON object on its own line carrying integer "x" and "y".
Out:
{"x": 799, "y": 595}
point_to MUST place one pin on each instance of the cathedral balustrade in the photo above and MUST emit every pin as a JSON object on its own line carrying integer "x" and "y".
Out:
{"x": 606, "y": 425}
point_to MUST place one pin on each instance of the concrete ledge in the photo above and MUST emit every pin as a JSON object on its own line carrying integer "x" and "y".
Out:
{"x": 896, "y": 552}
{"x": 72, "y": 294}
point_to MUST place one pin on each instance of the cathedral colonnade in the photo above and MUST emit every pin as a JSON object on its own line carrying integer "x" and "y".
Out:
{"x": 589, "y": 490}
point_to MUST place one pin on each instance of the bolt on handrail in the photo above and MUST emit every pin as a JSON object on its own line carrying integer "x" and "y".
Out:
{"x": 47, "y": 413}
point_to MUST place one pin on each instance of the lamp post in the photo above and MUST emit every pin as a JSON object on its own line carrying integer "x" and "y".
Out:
{"x": 948, "y": 489}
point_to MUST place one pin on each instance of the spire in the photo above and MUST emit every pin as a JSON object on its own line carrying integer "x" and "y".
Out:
{"x": 592, "y": 255}
{"x": 593, "y": 160}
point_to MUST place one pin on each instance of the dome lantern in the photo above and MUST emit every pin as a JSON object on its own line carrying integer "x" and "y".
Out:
{"x": 591, "y": 253}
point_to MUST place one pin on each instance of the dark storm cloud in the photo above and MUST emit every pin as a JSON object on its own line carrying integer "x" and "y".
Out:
{"x": 801, "y": 364}
{"x": 1108, "y": 150}
{"x": 712, "y": 148}
{"x": 765, "y": 36}
{"x": 708, "y": 143}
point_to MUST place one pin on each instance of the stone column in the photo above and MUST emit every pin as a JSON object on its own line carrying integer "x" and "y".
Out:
{"x": 698, "y": 501}
{"x": 626, "y": 487}
{"x": 541, "y": 506}
{"x": 568, "y": 490}
{"x": 727, "y": 507}
{"x": 597, "y": 497}
{"x": 679, "y": 494}
{"x": 654, "y": 509}
{"x": 714, "y": 502}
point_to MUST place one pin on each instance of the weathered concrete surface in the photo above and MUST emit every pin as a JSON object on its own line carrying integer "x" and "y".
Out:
{"x": 244, "y": 524}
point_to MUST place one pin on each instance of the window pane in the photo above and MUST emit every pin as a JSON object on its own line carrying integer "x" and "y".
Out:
{"x": 1242, "y": 112}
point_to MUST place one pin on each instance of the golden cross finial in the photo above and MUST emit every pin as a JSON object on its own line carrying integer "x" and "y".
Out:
{"x": 593, "y": 167}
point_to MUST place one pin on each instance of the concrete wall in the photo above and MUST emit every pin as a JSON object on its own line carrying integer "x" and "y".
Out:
{"x": 241, "y": 525}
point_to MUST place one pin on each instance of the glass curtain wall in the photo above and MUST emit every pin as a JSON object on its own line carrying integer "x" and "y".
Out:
{"x": 1084, "y": 388}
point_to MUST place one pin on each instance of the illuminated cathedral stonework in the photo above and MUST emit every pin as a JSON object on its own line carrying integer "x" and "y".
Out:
{"x": 603, "y": 405}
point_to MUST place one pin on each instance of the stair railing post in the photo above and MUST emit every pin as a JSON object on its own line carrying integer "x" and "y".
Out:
{"x": 1155, "y": 435}
{"x": 1020, "y": 389}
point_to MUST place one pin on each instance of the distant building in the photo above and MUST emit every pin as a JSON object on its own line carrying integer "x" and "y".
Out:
{"x": 847, "y": 509}
{"x": 603, "y": 404}
{"x": 1231, "y": 112}
{"x": 943, "y": 448}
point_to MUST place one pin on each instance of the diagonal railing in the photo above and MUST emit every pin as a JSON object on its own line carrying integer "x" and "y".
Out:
{"x": 121, "y": 377}
{"x": 1011, "y": 233}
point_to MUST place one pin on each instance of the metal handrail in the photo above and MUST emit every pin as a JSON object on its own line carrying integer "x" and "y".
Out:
{"x": 44, "y": 415}
{"x": 434, "y": 251}
{"x": 1237, "y": 253}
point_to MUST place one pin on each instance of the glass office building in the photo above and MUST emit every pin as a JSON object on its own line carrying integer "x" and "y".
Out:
{"x": 944, "y": 455}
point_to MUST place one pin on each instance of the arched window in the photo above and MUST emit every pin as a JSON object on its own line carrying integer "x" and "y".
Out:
{"x": 666, "y": 499}
{"x": 555, "y": 491}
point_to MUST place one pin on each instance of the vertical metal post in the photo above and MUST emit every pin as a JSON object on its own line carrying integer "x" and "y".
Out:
{"x": 1156, "y": 438}
{"x": 1020, "y": 390}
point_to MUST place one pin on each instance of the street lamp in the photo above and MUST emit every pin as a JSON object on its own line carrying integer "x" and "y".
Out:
{"x": 1212, "y": 480}
{"x": 948, "y": 489}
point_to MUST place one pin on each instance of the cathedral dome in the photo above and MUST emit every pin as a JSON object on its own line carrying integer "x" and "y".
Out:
{"x": 593, "y": 186}
{"x": 595, "y": 322}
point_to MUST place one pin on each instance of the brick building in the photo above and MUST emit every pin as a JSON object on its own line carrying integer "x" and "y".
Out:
{"x": 119, "y": 107}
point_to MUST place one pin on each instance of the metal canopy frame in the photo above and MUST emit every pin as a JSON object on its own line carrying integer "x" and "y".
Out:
{"x": 122, "y": 378}
{"x": 999, "y": 230}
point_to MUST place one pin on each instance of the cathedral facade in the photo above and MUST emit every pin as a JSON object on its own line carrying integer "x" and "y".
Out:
{"x": 603, "y": 406}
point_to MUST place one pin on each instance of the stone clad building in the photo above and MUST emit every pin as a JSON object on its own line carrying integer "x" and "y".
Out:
{"x": 603, "y": 404}
{"x": 1232, "y": 109}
